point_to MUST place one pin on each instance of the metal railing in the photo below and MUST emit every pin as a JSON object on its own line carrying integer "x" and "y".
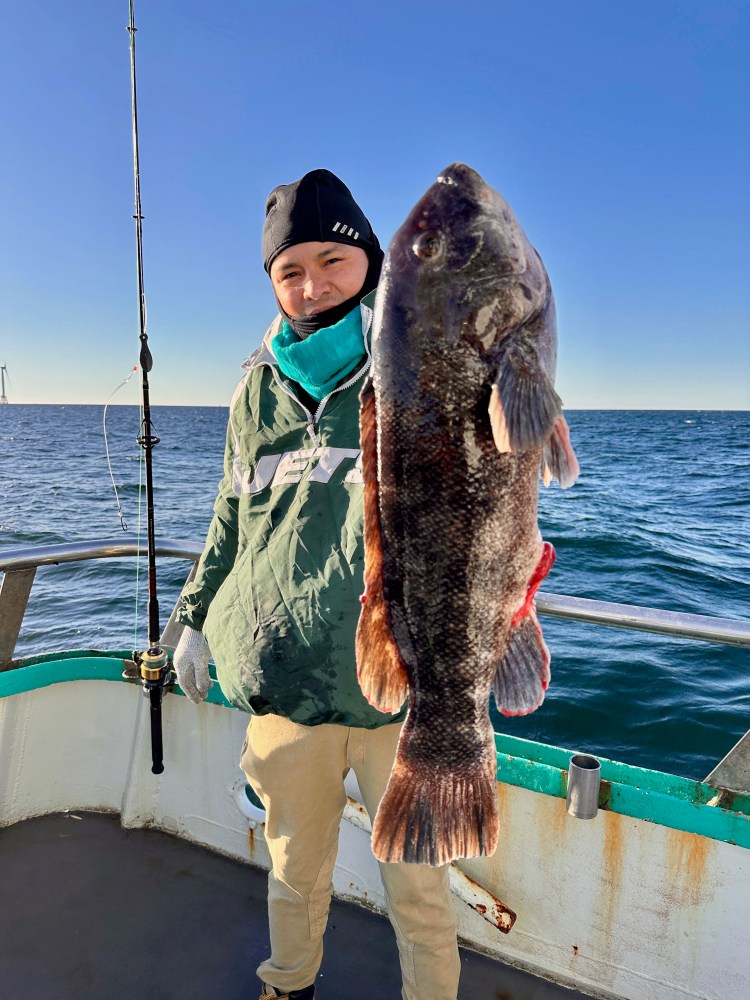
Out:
{"x": 726, "y": 631}
{"x": 31, "y": 556}
{"x": 20, "y": 565}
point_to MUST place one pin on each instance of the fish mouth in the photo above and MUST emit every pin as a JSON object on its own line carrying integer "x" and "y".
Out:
{"x": 468, "y": 181}
{"x": 485, "y": 212}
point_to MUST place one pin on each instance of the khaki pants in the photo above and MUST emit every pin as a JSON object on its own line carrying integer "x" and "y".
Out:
{"x": 298, "y": 773}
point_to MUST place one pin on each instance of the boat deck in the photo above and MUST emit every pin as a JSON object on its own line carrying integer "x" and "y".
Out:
{"x": 90, "y": 910}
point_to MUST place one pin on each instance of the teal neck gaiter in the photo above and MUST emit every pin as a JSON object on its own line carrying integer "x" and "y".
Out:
{"x": 319, "y": 362}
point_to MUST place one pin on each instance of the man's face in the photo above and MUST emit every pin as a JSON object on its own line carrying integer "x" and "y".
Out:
{"x": 309, "y": 278}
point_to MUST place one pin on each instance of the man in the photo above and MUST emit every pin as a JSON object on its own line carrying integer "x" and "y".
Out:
{"x": 276, "y": 595}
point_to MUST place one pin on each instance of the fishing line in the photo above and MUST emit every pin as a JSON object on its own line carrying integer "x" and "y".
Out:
{"x": 117, "y": 495}
{"x": 138, "y": 538}
{"x": 106, "y": 448}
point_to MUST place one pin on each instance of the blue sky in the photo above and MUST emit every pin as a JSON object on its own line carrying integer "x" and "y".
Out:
{"x": 618, "y": 132}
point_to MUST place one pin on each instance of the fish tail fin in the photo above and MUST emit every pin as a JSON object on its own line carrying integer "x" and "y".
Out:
{"x": 381, "y": 671}
{"x": 523, "y": 674}
{"x": 432, "y": 814}
{"x": 559, "y": 461}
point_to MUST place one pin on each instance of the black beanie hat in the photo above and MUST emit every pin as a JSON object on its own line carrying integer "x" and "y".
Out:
{"x": 317, "y": 208}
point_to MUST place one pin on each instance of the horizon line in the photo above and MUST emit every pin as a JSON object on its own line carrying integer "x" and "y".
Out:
{"x": 566, "y": 409}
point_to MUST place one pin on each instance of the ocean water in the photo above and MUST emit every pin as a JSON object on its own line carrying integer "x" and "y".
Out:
{"x": 659, "y": 517}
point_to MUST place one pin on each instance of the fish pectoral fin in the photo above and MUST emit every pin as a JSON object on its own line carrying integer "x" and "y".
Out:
{"x": 381, "y": 671}
{"x": 559, "y": 460}
{"x": 523, "y": 405}
{"x": 523, "y": 674}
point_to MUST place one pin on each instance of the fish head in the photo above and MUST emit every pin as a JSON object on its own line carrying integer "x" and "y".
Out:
{"x": 462, "y": 263}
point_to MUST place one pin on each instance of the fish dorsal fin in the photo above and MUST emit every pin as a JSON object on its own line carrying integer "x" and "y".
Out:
{"x": 523, "y": 403}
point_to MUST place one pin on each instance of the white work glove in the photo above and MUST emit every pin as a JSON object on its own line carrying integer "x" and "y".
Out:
{"x": 191, "y": 664}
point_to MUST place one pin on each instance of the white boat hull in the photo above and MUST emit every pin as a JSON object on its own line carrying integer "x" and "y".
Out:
{"x": 616, "y": 906}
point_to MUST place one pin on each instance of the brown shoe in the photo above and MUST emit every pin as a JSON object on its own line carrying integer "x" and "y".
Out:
{"x": 271, "y": 993}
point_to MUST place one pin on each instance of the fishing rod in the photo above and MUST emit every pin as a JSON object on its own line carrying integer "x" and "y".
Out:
{"x": 152, "y": 663}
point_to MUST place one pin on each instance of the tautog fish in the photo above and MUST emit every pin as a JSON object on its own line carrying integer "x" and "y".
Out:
{"x": 459, "y": 419}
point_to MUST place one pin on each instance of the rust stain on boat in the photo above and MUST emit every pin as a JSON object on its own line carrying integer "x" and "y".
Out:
{"x": 251, "y": 839}
{"x": 502, "y": 803}
{"x": 613, "y": 847}
{"x": 613, "y": 868}
{"x": 687, "y": 864}
{"x": 552, "y": 827}
{"x": 556, "y": 820}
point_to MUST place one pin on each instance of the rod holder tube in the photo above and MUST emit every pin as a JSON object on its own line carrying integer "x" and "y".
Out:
{"x": 584, "y": 781}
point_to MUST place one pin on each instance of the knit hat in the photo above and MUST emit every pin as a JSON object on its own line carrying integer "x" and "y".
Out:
{"x": 317, "y": 208}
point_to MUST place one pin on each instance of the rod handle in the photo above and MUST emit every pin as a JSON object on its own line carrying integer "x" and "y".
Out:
{"x": 157, "y": 747}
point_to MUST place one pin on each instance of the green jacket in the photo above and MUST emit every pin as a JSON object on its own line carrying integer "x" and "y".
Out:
{"x": 277, "y": 588}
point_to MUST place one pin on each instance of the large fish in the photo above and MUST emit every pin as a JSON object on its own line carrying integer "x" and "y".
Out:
{"x": 459, "y": 419}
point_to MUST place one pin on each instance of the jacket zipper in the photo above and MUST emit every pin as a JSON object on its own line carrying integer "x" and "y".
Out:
{"x": 312, "y": 420}
{"x": 360, "y": 374}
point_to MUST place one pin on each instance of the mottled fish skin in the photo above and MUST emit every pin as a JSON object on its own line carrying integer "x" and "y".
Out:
{"x": 458, "y": 419}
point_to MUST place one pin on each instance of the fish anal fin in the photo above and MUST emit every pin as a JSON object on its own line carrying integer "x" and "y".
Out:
{"x": 523, "y": 403}
{"x": 381, "y": 670}
{"x": 433, "y": 815}
{"x": 559, "y": 458}
{"x": 523, "y": 674}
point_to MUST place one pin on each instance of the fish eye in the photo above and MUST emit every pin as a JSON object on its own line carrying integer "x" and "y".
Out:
{"x": 428, "y": 246}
